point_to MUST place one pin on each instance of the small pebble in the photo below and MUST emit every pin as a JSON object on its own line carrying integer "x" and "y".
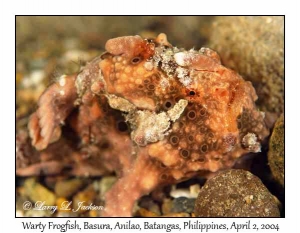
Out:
{"x": 93, "y": 213}
{"x": 38, "y": 213}
{"x": 145, "y": 213}
{"x": 37, "y": 192}
{"x": 167, "y": 206}
{"x": 188, "y": 193}
{"x": 148, "y": 204}
{"x": 19, "y": 77}
{"x": 70, "y": 43}
{"x": 34, "y": 79}
{"x": 19, "y": 214}
{"x": 183, "y": 204}
{"x": 84, "y": 198}
{"x": 176, "y": 215}
{"x": 37, "y": 63}
{"x": 61, "y": 204}
{"x": 76, "y": 55}
{"x": 106, "y": 183}
{"x": 67, "y": 188}
{"x": 194, "y": 190}
{"x": 65, "y": 214}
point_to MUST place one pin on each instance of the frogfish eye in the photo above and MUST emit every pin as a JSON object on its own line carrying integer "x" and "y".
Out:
{"x": 136, "y": 60}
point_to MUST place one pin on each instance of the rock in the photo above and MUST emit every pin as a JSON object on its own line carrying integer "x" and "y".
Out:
{"x": 166, "y": 206}
{"x": 38, "y": 213}
{"x": 183, "y": 204}
{"x": 67, "y": 188}
{"x": 64, "y": 214}
{"x": 254, "y": 47}
{"x": 106, "y": 183}
{"x": 145, "y": 213}
{"x": 75, "y": 54}
{"x": 71, "y": 43}
{"x": 38, "y": 63}
{"x": 84, "y": 198}
{"x": 35, "y": 79}
{"x": 235, "y": 193}
{"x": 62, "y": 203}
{"x": 176, "y": 215}
{"x": 19, "y": 214}
{"x": 37, "y": 192}
{"x": 19, "y": 77}
{"x": 192, "y": 192}
{"x": 20, "y": 199}
{"x": 148, "y": 204}
{"x": 93, "y": 213}
{"x": 276, "y": 151}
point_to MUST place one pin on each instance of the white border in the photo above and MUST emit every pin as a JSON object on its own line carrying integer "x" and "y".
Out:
{"x": 10, "y": 8}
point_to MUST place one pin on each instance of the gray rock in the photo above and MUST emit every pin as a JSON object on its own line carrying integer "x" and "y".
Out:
{"x": 183, "y": 204}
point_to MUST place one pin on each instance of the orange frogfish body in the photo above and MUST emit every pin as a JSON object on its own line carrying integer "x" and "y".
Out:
{"x": 153, "y": 113}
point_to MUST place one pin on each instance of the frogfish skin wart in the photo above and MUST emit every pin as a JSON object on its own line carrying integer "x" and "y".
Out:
{"x": 152, "y": 113}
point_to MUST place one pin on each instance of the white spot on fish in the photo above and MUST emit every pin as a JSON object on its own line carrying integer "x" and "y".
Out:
{"x": 62, "y": 80}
